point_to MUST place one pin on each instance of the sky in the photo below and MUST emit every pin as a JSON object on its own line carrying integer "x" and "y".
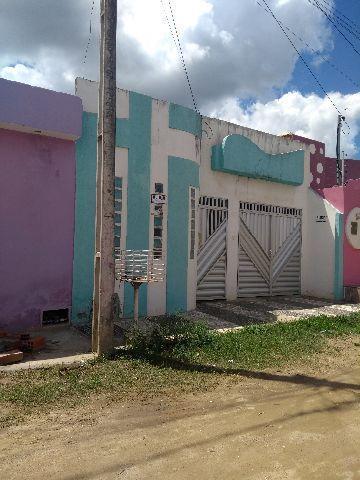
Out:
{"x": 241, "y": 65}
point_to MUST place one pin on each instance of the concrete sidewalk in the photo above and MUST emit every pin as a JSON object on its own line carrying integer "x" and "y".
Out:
{"x": 222, "y": 314}
{"x": 64, "y": 345}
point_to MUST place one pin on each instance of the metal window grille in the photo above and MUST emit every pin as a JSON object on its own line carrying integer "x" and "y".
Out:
{"x": 261, "y": 208}
{"x": 158, "y": 225}
{"x": 213, "y": 212}
{"x": 192, "y": 221}
{"x": 117, "y": 215}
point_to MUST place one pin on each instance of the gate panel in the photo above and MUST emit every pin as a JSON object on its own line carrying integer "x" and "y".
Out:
{"x": 269, "y": 250}
{"x": 211, "y": 258}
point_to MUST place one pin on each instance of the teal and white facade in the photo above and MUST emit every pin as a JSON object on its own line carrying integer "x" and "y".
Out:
{"x": 157, "y": 150}
{"x": 240, "y": 218}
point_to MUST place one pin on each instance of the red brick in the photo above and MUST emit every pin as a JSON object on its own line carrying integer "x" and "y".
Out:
{"x": 11, "y": 357}
{"x": 35, "y": 343}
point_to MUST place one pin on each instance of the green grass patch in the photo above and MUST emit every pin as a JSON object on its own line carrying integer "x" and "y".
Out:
{"x": 177, "y": 357}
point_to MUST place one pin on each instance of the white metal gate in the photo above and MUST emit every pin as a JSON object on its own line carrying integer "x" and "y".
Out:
{"x": 211, "y": 260}
{"x": 269, "y": 250}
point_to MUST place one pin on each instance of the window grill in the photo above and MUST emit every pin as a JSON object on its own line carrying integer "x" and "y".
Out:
{"x": 262, "y": 208}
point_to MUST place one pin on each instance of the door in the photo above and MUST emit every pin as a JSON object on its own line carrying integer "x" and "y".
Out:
{"x": 269, "y": 250}
{"x": 211, "y": 259}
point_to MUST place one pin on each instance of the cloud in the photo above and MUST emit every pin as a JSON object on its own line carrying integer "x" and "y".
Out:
{"x": 26, "y": 74}
{"x": 231, "y": 48}
{"x": 310, "y": 116}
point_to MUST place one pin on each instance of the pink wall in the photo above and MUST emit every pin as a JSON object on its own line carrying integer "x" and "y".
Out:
{"x": 345, "y": 199}
{"x": 351, "y": 255}
{"x": 37, "y": 194}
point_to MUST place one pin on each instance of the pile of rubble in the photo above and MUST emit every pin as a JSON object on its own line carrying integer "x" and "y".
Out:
{"x": 14, "y": 346}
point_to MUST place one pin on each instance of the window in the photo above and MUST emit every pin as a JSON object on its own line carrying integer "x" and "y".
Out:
{"x": 158, "y": 224}
{"x": 117, "y": 215}
{"x": 192, "y": 222}
{"x": 354, "y": 228}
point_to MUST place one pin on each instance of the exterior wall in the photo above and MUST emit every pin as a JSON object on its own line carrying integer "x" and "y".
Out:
{"x": 351, "y": 255}
{"x": 323, "y": 168}
{"x": 37, "y": 192}
{"x": 345, "y": 198}
{"x": 323, "y": 263}
{"x": 40, "y": 111}
{"x": 158, "y": 142}
{"x": 238, "y": 188}
{"x": 155, "y": 140}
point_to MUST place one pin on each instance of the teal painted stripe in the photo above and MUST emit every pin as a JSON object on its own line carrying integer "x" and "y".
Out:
{"x": 135, "y": 134}
{"x": 185, "y": 119}
{"x": 182, "y": 174}
{"x": 138, "y": 192}
{"x": 84, "y": 239}
{"x": 339, "y": 257}
{"x": 240, "y": 156}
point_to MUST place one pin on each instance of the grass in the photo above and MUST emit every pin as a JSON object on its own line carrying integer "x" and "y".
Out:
{"x": 177, "y": 357}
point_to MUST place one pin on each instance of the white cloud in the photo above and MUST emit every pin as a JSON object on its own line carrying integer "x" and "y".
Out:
{"x": 310, "y": 116}
{"x": 232, "y": 48}
{"x": 26, "y": 74}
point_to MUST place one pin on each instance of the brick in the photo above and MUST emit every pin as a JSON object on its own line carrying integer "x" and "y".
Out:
{"x": 35, "y": 343}
{"x": 11, "y": 357}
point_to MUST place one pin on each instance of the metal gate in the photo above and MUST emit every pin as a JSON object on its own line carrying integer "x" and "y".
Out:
{"x": 211, "y": 259}
{"x": 269, "y": 250}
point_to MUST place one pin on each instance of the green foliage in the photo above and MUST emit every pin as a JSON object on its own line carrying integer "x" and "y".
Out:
{"x": 172, "y": 336}
{"x": 176, "y": 356}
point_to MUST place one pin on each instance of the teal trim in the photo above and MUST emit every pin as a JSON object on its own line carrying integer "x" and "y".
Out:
{"x": 182, "y": 174}
{"x": 339, "y": 257}
{"x": 185, "y": 119}
{"x": 84, "y": 239}
{"x": 138, "y": 191}
{"x": 135, "y": 134}
{"x": 240, "y": 156}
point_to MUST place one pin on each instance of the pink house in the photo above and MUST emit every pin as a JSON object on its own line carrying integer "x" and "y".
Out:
{"x": 345, "y": 199}
{"x": 38, "y": 129}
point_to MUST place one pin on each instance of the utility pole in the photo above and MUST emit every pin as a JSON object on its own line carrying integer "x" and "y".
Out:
{"x": 104, "y": 272}
{"x": 338, "y": 150}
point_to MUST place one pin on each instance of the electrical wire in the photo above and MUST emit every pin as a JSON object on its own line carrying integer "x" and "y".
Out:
{"x": 90, "y": 34}
{"x": 176, "y": 37}
{"x": 342, "y": 17}
{"x": 316, "y": 5}
{"x": 325, "y": 59}
{"x": 303, "y": 60}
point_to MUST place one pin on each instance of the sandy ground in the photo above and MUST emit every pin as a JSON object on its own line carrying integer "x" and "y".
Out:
{"x": 280, "y": 425}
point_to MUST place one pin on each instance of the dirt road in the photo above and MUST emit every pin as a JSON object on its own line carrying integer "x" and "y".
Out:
{"x": 279, "y": 427}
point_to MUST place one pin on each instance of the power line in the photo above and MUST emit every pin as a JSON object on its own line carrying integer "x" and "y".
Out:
{"x": 338, "y": 20}
{"x": 347, "y": 20}
{"x": 90, "y": 33}
{"x": 176, "y": 37}
{"x": 302, "y": 58}
{"x": 316, "y": 5}
{"x": 325, "y": 59}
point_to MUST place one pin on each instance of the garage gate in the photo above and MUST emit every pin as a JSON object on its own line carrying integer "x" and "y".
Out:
{"x": 269, "y": 250}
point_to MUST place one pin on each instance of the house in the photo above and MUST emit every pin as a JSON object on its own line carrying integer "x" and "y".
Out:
{"x": 243, "y": 213}
{"x": 38, "y": 130}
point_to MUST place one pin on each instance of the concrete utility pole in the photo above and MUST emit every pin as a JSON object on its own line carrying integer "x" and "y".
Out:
{"x": 338, "y": 150}
{"x": 104, "y": 274}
